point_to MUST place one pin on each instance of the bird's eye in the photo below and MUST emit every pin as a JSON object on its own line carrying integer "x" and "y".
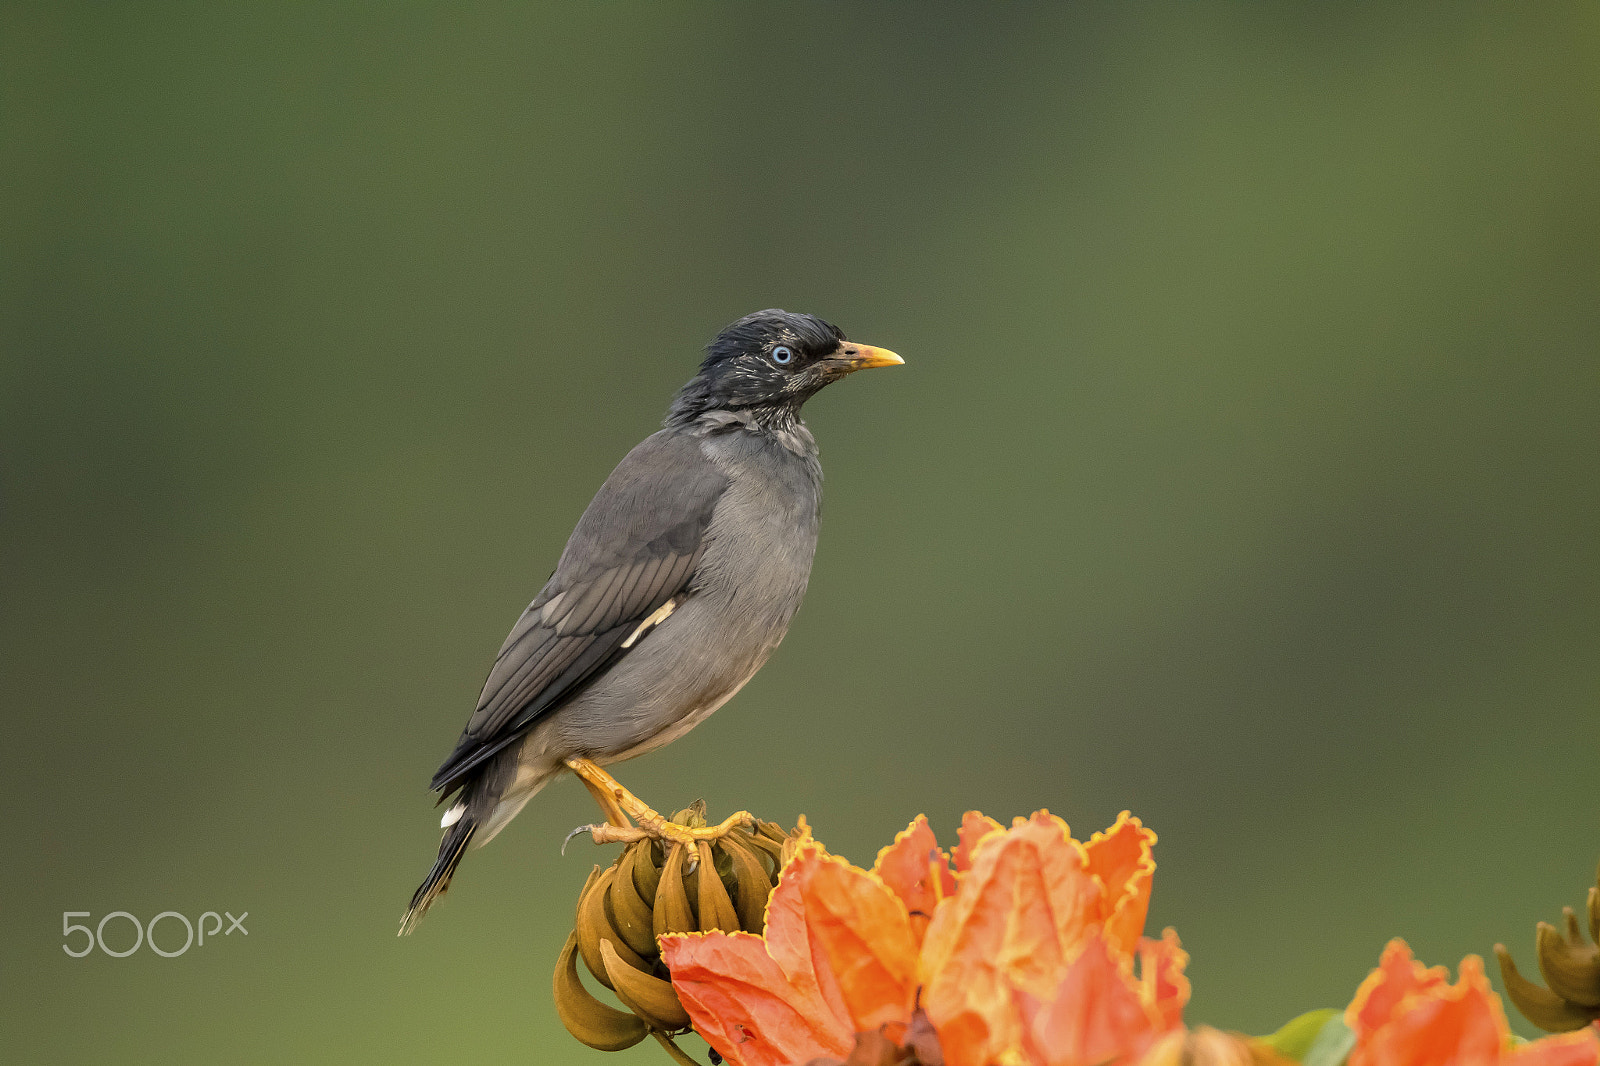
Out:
{"x": 782, "y": 354}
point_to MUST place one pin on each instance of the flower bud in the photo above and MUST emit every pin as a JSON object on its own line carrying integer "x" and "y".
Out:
{"x": 1571, "y": 969}
{"x": 657, "y": 887}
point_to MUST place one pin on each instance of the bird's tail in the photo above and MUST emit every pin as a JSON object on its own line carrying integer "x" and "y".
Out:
{"x": 457, "y": 835}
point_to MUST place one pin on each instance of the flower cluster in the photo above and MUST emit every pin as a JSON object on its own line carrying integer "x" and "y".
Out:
{"x": 1023, "y": 945}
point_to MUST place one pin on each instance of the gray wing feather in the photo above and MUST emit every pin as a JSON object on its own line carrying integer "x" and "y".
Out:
{"x": 635, "y": 548}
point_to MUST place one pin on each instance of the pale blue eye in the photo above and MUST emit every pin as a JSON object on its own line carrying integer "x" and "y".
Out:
{"x": 782, "y": 354}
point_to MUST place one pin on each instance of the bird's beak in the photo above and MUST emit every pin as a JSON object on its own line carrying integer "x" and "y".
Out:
{"x": 864, "y": 356}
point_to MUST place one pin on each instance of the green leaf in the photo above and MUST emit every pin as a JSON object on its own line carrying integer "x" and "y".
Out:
{"x": 1294, "y": 1040}
{"x": 1332, "y": 1045}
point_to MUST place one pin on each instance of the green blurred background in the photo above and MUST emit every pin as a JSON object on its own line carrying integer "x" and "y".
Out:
{"x": 1245, "y": 472}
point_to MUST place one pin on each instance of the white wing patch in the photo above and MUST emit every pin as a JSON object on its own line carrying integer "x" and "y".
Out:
{"x": 452, "y": 816}
{"x": 657, "y": 616}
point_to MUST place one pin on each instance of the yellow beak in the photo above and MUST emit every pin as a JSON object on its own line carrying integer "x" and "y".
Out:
{"x": 865, "y": 356}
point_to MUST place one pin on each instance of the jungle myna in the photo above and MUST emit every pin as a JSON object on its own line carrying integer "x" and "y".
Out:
{"x": 679, "y": 580}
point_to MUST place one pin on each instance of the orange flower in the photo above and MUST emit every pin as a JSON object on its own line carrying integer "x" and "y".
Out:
{"x": 1406, "y": 1015}
{"x": 1029, "y": 900}
{"x": 1120, "y": 858}
{"x": 1023, "y": 909}
{"x": 1025, "y": 951}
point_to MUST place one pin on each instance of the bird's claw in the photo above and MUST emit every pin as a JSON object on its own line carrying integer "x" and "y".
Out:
{"x": 659, "y": 828}
{"x": 576, "y": 832}
{"x": 603, "y": 833}
{"x": 654, "y": 825}
{"x": 632, "y": 819}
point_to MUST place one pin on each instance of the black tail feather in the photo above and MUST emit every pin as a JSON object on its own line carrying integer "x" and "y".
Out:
{"x": 451, "y": 848}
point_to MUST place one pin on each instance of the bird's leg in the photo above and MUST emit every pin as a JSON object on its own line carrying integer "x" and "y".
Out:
{"x": 604, "y": 797}
{"x": 619, "y": 805}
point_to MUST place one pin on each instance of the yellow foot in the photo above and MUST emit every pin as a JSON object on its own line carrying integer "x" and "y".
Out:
{"x": 620, "y": 805}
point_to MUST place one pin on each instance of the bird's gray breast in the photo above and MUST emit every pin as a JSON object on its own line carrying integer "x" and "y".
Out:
{"x": 749, "y": 582}
{"x": 763, "y": 532}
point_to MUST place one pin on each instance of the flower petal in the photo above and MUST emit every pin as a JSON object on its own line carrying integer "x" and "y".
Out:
{"x": 1398, "y": 976}
{"x": 861, "y": 944}
{"x": 917, "y": 871}
{"x": 1020, "y": 913}
{"x": 1163, "y": 986}
{"x": 1121, "y": 857}
{"x": 974, "y": 827}
{"x": 1096, "y": 1015}
{"x": 743, "y": 1003}
{"x": 788, "y": 938}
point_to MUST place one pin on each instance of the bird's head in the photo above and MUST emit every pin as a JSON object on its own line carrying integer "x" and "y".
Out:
{"x": 774, "y": 359}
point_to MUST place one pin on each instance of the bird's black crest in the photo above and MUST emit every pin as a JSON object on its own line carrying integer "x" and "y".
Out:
{"x": 772, "y": 326}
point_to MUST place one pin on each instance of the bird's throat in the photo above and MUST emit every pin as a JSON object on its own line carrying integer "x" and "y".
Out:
{"x": 779, "y": 422}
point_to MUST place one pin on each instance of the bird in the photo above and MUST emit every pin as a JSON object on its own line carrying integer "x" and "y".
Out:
{"x": 677, "y": 583}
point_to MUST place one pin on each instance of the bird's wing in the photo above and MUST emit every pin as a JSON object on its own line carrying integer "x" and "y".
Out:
{"x": 634, "y": 550}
